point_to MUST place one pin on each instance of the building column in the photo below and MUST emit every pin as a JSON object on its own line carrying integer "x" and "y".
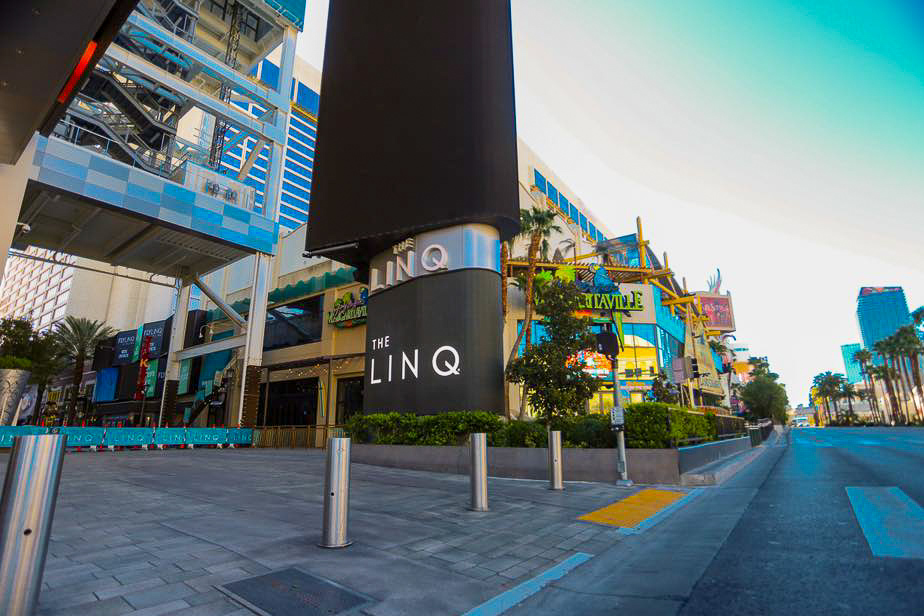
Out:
{"x": 246, "y": 414}
{"x": 177, "y": 341}
{"x": 13, "y": 179}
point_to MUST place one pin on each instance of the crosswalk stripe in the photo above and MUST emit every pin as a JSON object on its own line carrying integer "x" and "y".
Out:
{"x": 892, "y": 522}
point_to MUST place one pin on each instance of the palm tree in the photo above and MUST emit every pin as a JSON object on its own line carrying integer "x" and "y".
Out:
{"x": 885, "y": 373}
{"x": 912, "y": 347}
{"x": 886, "y": 351}
{"x": 848, "y": 392}
{"x": 77, "y": 338}
{"x": 536, "y": 225}
{"x": 865, "y": 358}
{"x": 46, "y": 364}
{"x": 505, "y": 259}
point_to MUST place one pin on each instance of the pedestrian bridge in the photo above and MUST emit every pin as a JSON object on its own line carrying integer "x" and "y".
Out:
{"x": 81, "y": 202}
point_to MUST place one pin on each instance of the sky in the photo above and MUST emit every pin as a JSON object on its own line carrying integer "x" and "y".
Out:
{"x": 781, "y": 142}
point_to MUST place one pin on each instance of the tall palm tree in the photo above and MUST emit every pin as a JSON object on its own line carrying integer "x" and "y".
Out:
{"x": 536, "y": 225}
{"x": 864, "y": 358}
{"x": 884, "y": 373}
{"x": 77, "y": 338}
{"x": 848, "y": 392}
{"x": 897, "y": 348}
{"x": 505, "y": 279}
{"x": 912, "y": 347}
{"x": 885, "y": 350}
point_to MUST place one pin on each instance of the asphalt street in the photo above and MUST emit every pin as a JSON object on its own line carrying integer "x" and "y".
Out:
{"x": 827, "y": 521}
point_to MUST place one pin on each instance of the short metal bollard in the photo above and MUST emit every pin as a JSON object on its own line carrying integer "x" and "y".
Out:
{"x": 479, "y": 480}
{"x": 27, "y": 509}
{"x": 336, "y": 494}
{"x": 556, "y": 481}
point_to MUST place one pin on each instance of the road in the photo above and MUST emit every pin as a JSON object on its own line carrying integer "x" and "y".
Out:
{"x": 828, "y": 521}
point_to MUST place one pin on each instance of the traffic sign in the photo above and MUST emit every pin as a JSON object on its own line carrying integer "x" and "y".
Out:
{"x": 617, "y": 416}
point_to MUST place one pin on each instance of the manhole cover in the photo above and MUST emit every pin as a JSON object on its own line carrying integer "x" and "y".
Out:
{"x": 291, "y": 591}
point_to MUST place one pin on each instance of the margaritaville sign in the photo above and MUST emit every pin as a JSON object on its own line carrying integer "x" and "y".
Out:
{"x": 612, "y": 301}
{"x": 350, "y": 309}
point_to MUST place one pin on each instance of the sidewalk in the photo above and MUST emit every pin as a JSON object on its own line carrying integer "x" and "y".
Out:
{"x": 150, "y": 533}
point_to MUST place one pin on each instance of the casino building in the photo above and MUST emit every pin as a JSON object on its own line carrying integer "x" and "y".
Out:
{"x": 315, "y": 332}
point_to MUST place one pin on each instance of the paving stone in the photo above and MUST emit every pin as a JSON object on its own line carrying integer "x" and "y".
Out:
{"x": 159, "y": 594}
{"x": 479, "y": 573}
{"x": 500, "y": 564}
{"x": 129, "y": 588}
{"x": 159, "y": 610}
{"x": 514, "y": 573}
{"x": 221, "y": 607}
{"x": 80, "y": 604}
{"x": 453, "y": 555}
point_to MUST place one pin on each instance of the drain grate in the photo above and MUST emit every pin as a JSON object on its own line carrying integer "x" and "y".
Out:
{"x": 291, "y": 591}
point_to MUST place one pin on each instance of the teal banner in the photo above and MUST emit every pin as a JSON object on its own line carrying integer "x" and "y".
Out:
{"x": 170, "y": 436}
{"x": 206, "y": 436}
{"x": 8, "y": 432}
{"x": 83, "y": 437}
{"x": 129, "y": 437}
{"x": 240, "y": 436}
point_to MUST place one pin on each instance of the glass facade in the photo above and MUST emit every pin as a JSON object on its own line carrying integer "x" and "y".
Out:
{"x": 851, "y": 367}
{"x": 298, "y": 322}
{"x": 299, "y": 152}
{"x": 880, "y": 312}
{"x": 36, "y": 291}
{"x": 567, "y": 207}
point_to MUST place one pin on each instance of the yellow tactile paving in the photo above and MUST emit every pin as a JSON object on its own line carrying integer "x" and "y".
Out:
{"x": 635, "y": 509}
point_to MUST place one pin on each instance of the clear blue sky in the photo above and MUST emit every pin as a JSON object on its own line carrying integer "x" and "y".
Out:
{"x": 782, "y": 142}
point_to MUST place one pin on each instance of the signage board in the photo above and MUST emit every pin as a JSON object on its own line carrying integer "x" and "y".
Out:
{"x": 434, "y": 344}
{"x": 384, "y": 137}
{"x": 617, "y": 416}
{"x": 718, "y": 310}
{"x": 125, "y": 347}
{"x": 349, "y": 309}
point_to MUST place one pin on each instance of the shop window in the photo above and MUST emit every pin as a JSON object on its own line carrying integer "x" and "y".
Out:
{"x": 349, "y": 398}
{"x": 292, "y": 403}
{"x": 299, "y": 322}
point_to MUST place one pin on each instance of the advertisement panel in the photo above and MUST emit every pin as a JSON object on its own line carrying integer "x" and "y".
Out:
{"x": 718, "y": 309}
{"x": 125, "y": 347}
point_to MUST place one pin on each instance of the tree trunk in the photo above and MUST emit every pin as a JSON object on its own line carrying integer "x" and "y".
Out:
{"x": 900, "y": 363}
{"x": 850, "y": 407}
{"x": 896, "y": 411}
{"x": 528, "y": 312}
{"x": 916, "y": 374}
{"x": 505, "y": 257}
{"x": 75, "y": 382}
{"x": 39, "y": 394}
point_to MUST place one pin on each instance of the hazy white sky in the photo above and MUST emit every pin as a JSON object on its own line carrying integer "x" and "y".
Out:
{"x": 781, "y": 144}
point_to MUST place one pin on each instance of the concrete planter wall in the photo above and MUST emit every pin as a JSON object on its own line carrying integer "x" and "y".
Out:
{"x": 700, "y": 455}
{"x": 645, "y": 465}
{"x": 13, "y": 384}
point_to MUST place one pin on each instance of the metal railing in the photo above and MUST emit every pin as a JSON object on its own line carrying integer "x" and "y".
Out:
{"x": 296, "y": 437}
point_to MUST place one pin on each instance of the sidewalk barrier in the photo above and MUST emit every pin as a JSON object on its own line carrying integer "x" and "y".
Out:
{"x": 556, "y": 481}
{"x": 128, "y": 437}
{"x": 336, "y": 495}
{"x": 8, "y": 433}
{"x": 96, "y": 437}
{"x": 169, "y": 437}
{"x": 83, "y": 437}
{"x": 479, "y": 472}
{"x": 206, "y": 436}
{"x": 27, "y": 510}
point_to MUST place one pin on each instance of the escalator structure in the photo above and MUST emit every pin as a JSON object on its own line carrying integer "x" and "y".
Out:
{"x": 213, "y": 393}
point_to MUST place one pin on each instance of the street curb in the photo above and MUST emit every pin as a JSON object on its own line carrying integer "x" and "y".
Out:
{"x": 721, "y": 475}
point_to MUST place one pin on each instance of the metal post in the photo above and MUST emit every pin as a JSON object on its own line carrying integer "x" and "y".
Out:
{"x": 27, "y": 508}
{"x": 623, "y": 466}
{"x": 336, "y": 494}
{"x": 479, "y": 479}
{"x": 555, "y": 475}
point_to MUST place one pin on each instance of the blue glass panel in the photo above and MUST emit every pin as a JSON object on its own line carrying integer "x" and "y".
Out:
{"x": 297, "y": 146}
{"x": 592, "y": 230}
{"x": 302, "y": 160}
{"x": 553, "y": 193}
{"x": 288, "y": 223}
{"x": 583, "y": 222}
{"x": 295, "y": 190}
{"x": 563, "y": 203}
{"x": 287, "y": 198}
{"x": 296, "y": 122}
{"x": 539, "y": 180}
{"x": 573, "y": 213}
{"x": 293, "y": 213}
{"x": 269, "y": 74}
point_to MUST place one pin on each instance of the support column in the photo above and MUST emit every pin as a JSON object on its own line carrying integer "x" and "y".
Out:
{"x": 177, "y": 341}
{"x": 253, "y": 347}
{"x": 13, "y": 179}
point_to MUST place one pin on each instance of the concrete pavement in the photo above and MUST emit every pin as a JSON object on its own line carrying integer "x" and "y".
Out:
{"x": 148, "y": 533}
{"x": 784, "y": 536}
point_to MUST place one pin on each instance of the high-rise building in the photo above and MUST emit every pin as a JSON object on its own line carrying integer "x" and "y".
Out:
{"x": 851, "y": 366}
{"x": 880, "y": 312}
{"x": 299, "y": 152}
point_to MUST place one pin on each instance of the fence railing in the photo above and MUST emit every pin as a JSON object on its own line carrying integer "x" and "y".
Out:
{"x": 295, "y": 437}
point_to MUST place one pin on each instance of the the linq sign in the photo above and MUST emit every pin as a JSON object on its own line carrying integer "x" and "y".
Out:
{"x": 403, "y": 364}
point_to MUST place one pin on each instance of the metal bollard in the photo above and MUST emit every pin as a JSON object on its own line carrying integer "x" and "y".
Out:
{"x": 27, "y": 509}
{"x": 336, "y": 494}
{"x": 479, "y": 479}
{"x": 555, "y": 476}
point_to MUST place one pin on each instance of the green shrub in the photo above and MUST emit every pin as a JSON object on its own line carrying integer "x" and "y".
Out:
{"x": 646, "y": 427}
{"x": 9, "y": 362}
{"x": 409, "y": 429}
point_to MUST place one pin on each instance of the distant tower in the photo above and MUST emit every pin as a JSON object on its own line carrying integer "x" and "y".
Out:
{"x": 880, "y": 312}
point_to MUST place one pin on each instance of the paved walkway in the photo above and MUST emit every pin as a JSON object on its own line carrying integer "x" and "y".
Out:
{"x": 149, "y": 533}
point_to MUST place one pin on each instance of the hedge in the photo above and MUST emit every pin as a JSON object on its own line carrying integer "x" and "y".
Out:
{"x": 646, "y": 427}
{"x": 9, "y": 362}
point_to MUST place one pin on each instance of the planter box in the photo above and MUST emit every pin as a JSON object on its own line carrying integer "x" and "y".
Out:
{"x": 645, "y": 465}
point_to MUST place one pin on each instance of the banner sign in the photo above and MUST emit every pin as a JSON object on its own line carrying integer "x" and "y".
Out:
{"x": 170, "y": 436}
{"x": 8, "y": 432}
{"x": 349, "y": 309}
{"x": 718, "y": 310}
{"x": 124, "y": 347}
{"x": 206, "y": 436}
{"x": 83, "y": 437}
{"x": 129, "y": 437}
{"x": 240, "y": 436}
